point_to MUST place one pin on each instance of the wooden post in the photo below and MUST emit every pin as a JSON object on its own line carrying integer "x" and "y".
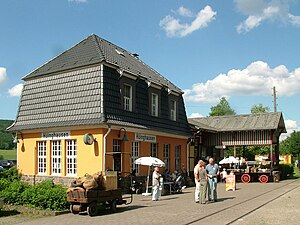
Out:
{"x": 234, "y": 151}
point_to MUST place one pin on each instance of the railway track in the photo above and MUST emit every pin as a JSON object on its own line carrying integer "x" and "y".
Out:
{"x": 245, "y": 204}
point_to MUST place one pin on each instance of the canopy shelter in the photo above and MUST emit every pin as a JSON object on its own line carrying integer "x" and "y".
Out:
{"x": 219, "y": 132}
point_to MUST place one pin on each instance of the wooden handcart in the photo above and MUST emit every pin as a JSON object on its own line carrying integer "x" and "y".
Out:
{"x": 93, "y": 200}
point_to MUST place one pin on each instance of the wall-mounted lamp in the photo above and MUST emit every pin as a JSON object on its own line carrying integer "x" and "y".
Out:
{"x": 15, "y": 141}
{"x": 125, "y": 138}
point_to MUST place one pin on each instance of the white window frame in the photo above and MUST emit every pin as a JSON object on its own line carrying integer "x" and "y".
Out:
{"x": 154, "y": 150}
{"x": 71, "y": 157}
{"x": 117, "y": 145}
{"x": 42, "y": 157}
{"x": 177, "y": 157}
{"x": 166, "y": 156}
{"x": 56, "y": 157}
{"x": 127, "y": 98}
{"x": 173, "y": 111}
{"x": 135, "y": 149}
{"x": 154, "y": 104}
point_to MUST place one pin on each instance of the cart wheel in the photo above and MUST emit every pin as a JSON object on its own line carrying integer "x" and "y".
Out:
{"x": 245, "y": 178}
{"x": 263, "y": 179}
{"x": 92, "y": 209}
{"x": 74, "y": 209}
{"x": 113, "y": 205}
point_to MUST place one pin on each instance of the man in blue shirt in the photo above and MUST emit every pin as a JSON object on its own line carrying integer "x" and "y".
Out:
{"x": 212, "y": 170}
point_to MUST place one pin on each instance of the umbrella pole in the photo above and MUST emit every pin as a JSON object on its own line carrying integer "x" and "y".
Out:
{"x": 148, "y": 180}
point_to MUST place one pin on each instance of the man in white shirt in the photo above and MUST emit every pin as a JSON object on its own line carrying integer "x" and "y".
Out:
{"x": 197, "y": 181}
{"x": 155, "y": 184}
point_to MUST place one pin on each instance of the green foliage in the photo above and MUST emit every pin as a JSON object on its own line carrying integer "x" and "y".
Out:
{"x": 250, "y": 151}
{"x": 44, "y": 195}
{"x": 11, "y": 174}
{"x": 221, "y": 109}
{"x": 13, "y": 192}
{"x": 6, "y": 139}
{"x": 286, "y": 170}
{"x": 291, "y": 145}
{"x": 259, "y": 108}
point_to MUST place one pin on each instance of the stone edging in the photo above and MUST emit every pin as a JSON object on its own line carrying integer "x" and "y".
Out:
{"x": 34, "y": 211}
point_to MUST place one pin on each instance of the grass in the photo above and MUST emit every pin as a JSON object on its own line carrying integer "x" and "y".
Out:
{"x": 296, "y": 172}
{"x": 8, "y": 154}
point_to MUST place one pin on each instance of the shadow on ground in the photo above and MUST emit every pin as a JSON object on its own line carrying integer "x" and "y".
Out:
{"x": 4, "y": 213}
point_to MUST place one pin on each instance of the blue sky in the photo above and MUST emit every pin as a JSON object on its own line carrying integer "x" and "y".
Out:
{"x": 234, "y": 48}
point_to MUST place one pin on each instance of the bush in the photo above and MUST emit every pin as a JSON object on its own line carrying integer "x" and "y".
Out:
{"x": 12, "y": 193}
{"x": 45, "y": 195}
{"x": 286, "y": 170}
{"x": 11, "y": 174}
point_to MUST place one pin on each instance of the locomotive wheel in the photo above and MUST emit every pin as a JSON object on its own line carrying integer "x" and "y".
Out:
{"x": 263, "y": 179}
{"x": 245, "y": 178}
{"x": 92, "y": 209}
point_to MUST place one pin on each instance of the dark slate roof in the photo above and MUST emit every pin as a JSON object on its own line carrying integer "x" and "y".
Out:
{"x": 260, "y": 121}
{"x": 66, "y": 99}
{"x": 93, "y": 50}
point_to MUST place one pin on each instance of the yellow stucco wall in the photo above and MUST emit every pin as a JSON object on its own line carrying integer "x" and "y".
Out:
{"x": 89, "y": 157}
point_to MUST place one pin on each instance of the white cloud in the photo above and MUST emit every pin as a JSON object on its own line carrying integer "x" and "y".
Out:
{"x": 195, "y": 115}
{"x": 16, "y": 90}
{"x": 3, "y": 75}
{"x": 78, "y": 1}
{"x": 256, "y": 79}
{"x": 182, "y": 11}
{"x": 291, "y": 126}
{"x": 259, "y": 11}
{"x": 175, "y": 28}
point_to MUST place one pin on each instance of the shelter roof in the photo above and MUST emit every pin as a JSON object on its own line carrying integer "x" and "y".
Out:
{"x": 259, "y": 121}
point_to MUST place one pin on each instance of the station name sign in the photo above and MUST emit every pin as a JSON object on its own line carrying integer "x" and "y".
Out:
{"x": 56, "y": 135}
{"x": 145, "y": 137}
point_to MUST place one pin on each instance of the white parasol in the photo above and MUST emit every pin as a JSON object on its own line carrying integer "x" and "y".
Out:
{"x": 229, "y": 160}
{"x": 149, "y": 161}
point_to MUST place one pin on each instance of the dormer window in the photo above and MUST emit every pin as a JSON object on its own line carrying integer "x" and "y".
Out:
{"x": 173, "y": 111}
{"x": 127, "y": 98}
{"x": 154, "y": 104}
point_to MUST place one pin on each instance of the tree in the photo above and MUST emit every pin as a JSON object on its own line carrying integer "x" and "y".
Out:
{"x": 221, "y": 109}
{"x": 259, "y": 108}
{"x": 291, "y": 145}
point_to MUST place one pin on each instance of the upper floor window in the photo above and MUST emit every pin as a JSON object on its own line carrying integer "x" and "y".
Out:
{"x": 173, "y": 111}
{"x": 154, "y": 104}
{"x": 127, "y": 97}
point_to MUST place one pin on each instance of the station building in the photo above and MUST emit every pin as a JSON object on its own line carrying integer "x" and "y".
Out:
{"x": 97, "y": 107}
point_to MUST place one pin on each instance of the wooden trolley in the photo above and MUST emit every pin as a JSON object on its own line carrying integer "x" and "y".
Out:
{"x": 92, "y": 200}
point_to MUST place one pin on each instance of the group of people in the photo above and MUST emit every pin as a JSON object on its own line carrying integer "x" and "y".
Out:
{"x": 206, "y": 181}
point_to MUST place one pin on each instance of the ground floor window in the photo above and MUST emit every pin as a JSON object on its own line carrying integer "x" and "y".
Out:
{"x": 177, "y": 157}
{"x": 154, "y": 147}
{"x": 71, "y": 157}
{"x": 167, "y": 156}
{"x": 42, "y": 157}
{"x": 56, "y": 157}
{"x": 117, "y": 155}
{"x": 135, "y": 155}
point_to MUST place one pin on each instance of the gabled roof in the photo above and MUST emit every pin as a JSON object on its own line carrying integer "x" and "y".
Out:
{"x": 259, "y": 121}
{"x": 93, "y": 50}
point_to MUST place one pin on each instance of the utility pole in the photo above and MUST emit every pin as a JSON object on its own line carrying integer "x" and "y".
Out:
{"x": 274, "y": 99}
